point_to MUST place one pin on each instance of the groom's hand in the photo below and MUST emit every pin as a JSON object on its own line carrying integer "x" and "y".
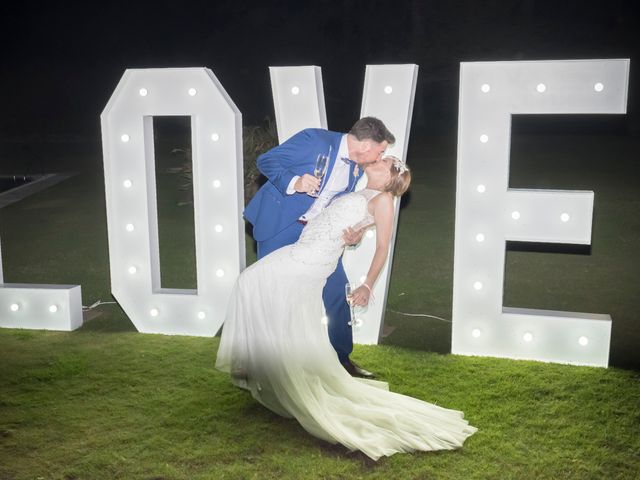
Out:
{"x": 352, "y": 237}
{"x": 306, "y": 183}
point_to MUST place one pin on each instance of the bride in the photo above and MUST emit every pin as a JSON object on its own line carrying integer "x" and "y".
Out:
{"x": 275, "y": 344}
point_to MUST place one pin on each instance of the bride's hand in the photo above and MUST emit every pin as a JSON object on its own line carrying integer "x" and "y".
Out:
{"x": 361, "y": 296}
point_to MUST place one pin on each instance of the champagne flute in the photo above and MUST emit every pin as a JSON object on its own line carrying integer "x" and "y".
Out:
{"x": 349, "y": 288}
{"x": 322, "y": 162}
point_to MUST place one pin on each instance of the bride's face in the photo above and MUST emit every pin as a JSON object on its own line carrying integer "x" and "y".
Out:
{"x": 380, "y": 171}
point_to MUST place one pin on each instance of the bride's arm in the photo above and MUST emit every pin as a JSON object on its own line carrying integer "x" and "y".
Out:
{"x": 383, "y": 217}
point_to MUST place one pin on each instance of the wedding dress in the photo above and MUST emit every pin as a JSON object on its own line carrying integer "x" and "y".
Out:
{"x": 275, "y": 344}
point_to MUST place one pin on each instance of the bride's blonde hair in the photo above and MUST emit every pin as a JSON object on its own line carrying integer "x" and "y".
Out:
{"x": 400, "y": 177}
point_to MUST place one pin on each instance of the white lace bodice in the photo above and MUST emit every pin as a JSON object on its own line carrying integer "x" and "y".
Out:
{"x": 321, "y": 240}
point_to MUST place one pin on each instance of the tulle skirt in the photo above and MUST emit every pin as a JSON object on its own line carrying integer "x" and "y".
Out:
{"x": 275, "y": 344}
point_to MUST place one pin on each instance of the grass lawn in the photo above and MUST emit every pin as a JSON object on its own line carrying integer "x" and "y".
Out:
{"x": 106, "y": 402}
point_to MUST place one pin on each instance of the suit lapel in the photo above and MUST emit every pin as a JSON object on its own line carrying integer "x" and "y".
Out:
{"x": 332, "y": 160}
{"x": 353, "y": 177}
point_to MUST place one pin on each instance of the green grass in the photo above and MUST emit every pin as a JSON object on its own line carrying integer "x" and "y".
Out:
{"x": 106, "y": 402}
{"x": 98, "y": 405}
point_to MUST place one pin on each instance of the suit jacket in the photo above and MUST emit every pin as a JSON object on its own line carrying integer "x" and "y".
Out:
{"x": 271, "y": 210}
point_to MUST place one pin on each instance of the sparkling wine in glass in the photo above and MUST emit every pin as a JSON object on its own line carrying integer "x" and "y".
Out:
{"x": 349, "y": 288}
{"x": 322, "y": 162}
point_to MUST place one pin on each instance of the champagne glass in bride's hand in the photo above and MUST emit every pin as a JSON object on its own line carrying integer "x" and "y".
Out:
{"x": 349, "y": 288}
{"x": 322, "y": 162}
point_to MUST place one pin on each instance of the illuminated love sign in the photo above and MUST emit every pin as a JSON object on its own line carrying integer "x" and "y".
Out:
{"x": 217, "y": 172}
{"x": 389, "y": 91}
{"x": 129, "y": 169}
{"x": 47, "y": 307}
{"x": 488, "y": 212}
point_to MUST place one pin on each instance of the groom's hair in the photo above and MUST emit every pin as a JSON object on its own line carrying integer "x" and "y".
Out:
{"x": 370, "y": 128}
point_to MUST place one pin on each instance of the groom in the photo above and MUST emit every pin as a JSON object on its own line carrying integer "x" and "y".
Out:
{"x": 281, "y": 208}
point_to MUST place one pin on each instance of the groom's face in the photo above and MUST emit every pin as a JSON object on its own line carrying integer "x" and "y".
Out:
{"x": 372, "y": 152}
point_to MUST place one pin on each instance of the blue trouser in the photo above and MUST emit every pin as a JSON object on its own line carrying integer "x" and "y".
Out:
{"x": 333, "y": 295}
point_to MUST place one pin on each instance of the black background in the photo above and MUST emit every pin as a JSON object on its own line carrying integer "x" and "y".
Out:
{"x": 61, "y": 61}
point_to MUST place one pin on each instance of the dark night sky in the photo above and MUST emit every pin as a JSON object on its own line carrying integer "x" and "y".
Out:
{"x": 61, "y": 62}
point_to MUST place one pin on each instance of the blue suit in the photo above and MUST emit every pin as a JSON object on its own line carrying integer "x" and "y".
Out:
{"x": 274, "y": 216}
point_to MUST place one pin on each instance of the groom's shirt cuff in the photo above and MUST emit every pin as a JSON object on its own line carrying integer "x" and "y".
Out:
{"x": 290, "y": 189}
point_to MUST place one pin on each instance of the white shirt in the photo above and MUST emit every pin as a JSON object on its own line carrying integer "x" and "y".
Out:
{"x": 337, "y": 182}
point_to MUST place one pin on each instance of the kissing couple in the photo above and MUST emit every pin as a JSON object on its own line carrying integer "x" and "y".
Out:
{"x": 274, "y": 341}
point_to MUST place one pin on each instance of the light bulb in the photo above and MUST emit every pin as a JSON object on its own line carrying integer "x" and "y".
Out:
{"x": 143, "y": 92}
{"x": 53, "y": 308}
{"x": 565, "y": 217}
{"x": 598, "y": 87}
{"x": 129, "y": 227}
{"x": 481, "y": 188}
{"x": 192, "y": 92}
{"x": 124, "y": 137}
{"x": 127, "y": 183}
{"x": 485, "y": 88}
{"x": 388, "y": 89}
{"x": 154, "y": 312}
{"x": 476, "y": 332}
{"x": 527, "y": 337}
{"x": 584, "y": 341}
{"x": 215, "y": 137}
{"x": 480, "y": 237}
{"x": 515, "y": 215}
{"x": 216, "y": 184}
{"x": 219, "y": 273}
{"x": 132, "y": 270}
{"x": 295, "y": 90}
{"x": 484, "y": 138}
{"x": 14, "y": 307}
{"x": 477, "y": 285}
{"x": 541, "y": 87}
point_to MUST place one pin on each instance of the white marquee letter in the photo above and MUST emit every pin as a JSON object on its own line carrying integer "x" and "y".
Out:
{"x": 48, "y": 307}
{"x": 389, "y": 92}
{"x": 488, "y": 212}
{"x": 129, "y": 164}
